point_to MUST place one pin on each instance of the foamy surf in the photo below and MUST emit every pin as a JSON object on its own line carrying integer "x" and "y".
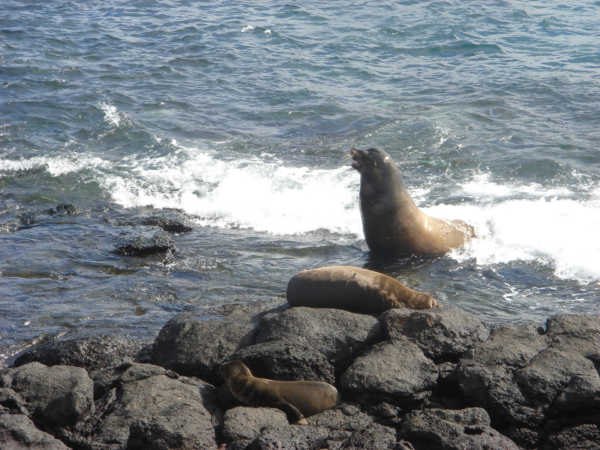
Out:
{"x": 548, "y": 226}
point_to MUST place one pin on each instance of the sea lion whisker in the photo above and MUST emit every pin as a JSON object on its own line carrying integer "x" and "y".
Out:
{"x": 347, "y": 156}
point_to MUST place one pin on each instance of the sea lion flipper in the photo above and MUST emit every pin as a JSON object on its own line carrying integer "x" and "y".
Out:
{"x": 293, "y": 414}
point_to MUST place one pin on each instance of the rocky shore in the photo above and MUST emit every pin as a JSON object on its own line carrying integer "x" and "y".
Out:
{"x": 432, "y": 379}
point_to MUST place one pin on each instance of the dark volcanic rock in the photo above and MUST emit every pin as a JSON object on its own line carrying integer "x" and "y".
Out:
{"x": 290, "y": 437}
{"x": 576, "y": 334}
{"x": 57, "y": 395}
{"x": 156, "y": 413}
{"x": 243, "y": 423}
{"x": 560, "y": 382}
{"x": 161, "y": 242}
{"x": 193, "y": 344}
{"x": 11, "y": 402}
{"x": 523, "y": 383}
{"x": 442, "y": 429}
{"x": 170, "y": 224}
{"x": 486, "y": 371}
{"x": 442, "y": 333}
{"x": 281, "y": 360}
{"x": 375, "y": 437}
{"x": 342, "y": 422}
{"x": 90, "y": 352}
{"x": 395, "y": 371}
{"x": 107, "y": 379}
{"x": 338, "y": 334}
{"x": 64, "y": 209}
{"x": 18, "y": 432}
{"x": 581, "y": 437}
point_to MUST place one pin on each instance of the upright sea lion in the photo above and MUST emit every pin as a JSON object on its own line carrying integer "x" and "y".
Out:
{"x": 392, "y": 223}
{"x": 353, "y": 289}
{"x": 297, "y": 399}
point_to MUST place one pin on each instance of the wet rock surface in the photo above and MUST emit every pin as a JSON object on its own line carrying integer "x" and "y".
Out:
{"x": 409, "y": 380}
{"x": 141, "y": 246}
{"x": 89, "y": 352}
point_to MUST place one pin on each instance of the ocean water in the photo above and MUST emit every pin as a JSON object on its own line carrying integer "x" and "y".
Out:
{"x": 238, "y": 116}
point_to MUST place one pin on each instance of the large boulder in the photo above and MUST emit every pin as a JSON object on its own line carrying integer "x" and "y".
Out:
{"x": 524, "y": 377}
{"x": 442, "y": 429}
{"x": 90, "y": 352}
{"x": 156, "y": 412}
{"x": 338, "y": 334}
{"x": 578, "y": 334}
{"x": 107, "y": 379}
{"x": 193, "y": 344}
{"x": 394, "y": 371}
{"x": 282, "y": 360}
{"x": 245, "y": 424}
{"x": 341, "y": 421}
{"x": 18, "y": 432}
{"x": 443, "y": 334}
{"x": 12, "y": 402}
{"x": 561, "y": 383}
{"x": 55, "y": 396}
{"x": 374, "y": 437}
{"x": 580, "y": 437}
{"x": 290, "y": 437}
{"x": 485, "y": 374}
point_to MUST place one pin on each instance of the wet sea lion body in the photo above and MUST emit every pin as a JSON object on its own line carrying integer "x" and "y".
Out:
{"x": 392, "y": 222}
{"x": 297, "y": 399}
{"x": 353, "y": 289}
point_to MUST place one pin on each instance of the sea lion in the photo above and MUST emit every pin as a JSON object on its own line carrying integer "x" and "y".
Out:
{"x": 297, "y": 399}
{"x": 353, "y": 289}
{"x": 392, "y": 223}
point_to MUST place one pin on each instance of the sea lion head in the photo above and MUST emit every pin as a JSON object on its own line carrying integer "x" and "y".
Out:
{"x": 234, "y": 368}
{"x": 374, "y": 164}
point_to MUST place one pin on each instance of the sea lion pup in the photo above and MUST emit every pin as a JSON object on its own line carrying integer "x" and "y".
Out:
{"x": 392, "y": 223}
{"x": 297, "y": 399}
{"x": 353, "y": 289}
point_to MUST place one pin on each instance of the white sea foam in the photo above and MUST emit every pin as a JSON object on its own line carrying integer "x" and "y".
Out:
{"x": 54, "y": 165}
{"x": 262, "y": 194}
{"x": 111, "y": 114}
{"x": 513, "y": 223}
{"x": 560, "y": 233}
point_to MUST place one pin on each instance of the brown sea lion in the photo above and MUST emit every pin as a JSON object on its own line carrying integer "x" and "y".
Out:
{"x": 392, "y": 223}
{"x": 353, "y": 289}
{"x": 297, "y": 399}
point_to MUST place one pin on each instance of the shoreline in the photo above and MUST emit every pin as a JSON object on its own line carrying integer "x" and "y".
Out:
{"x": 437, "y": 378}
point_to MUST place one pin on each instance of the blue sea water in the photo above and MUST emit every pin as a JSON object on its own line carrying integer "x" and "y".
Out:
{"x": 238, "y": 114}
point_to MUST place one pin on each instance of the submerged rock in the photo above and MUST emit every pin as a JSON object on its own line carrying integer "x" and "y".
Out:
{"x": 161, "y": 242}
{"x": 170, "y": 224}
